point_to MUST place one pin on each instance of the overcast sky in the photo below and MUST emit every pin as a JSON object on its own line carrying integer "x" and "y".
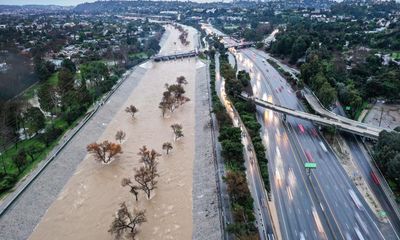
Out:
{"x": 55, "y": 2}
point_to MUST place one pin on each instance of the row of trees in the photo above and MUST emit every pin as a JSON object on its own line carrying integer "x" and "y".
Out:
{"x": 63, "y": 98}
{"x": 63, "y": 94}
{"x": 314, "y": 75}
{"x": 352, "y": 74}
{"x": 126, "y": 222}
{"x": 183, "y": 34}
{"x": 235, "y": 178}
{"x": 387, "y": 156}
{"x": 247, "y": 112}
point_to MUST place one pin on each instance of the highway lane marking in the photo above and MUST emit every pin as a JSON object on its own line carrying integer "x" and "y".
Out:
{"x": 296, "y": 161}
{"x": 323, "y": 194}
{"x": 281, "y": 213}
{"x": 300, "y": 170}
{"x": 336, "y": 188}
{"x": 291, "y": 131}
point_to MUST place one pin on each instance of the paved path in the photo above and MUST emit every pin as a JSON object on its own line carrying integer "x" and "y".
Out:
{"x": 22, "y": 217}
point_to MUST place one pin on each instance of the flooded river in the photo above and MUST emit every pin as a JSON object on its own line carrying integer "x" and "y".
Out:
{"x": 87, "y": 204}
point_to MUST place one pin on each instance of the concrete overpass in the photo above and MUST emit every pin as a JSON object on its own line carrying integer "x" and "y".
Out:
{"x": 239, "y": 45}
{"x": 321, "y": 110}
{"x": 324, "y": 121}
{"x": 177, "y": 55}
{"x": 195, "y": 52}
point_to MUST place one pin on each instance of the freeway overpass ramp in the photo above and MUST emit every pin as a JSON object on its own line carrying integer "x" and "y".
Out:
{"x": 359, "y": 129}
{"x": 321, "y": 110}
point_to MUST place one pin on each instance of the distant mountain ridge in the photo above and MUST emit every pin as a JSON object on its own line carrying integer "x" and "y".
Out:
{"x": 33, "y": 7}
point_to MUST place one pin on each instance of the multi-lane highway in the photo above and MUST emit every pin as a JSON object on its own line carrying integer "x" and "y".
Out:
{"x": 329, "y": 182}
{"x": 324, "y": 205}
{"x": 364, "y": 163}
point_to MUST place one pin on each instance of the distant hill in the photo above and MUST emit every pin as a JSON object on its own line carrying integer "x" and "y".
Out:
{"x": 32, "y": 8}
{"x": 154, "y": 7}
{"x": 124, "y": 6}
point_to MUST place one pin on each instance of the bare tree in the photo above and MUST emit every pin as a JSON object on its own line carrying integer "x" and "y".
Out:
{"x": 181, "y": 80}
{"x": 178, "y": 131}
{"x": 120, "y": 135}
{"x": 167, "y": 146}
{"x": 126, "y": 222}
{"x": 173, "y": 97}
{"x": 131, "y": 110}
{"x": 145, "y": 177}
{"x": 105, "y": 151}
{"x": 134, "y": 189}
{"x": 148, "y": 156}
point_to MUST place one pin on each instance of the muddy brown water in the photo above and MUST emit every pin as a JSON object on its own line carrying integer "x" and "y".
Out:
{"x": 87, "y": 204}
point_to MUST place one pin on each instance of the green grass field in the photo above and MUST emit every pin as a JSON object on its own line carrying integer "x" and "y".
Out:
{"x": 141, "y": 55}
{"x": 30, "y": 93}
{"x": 396, "y": 56}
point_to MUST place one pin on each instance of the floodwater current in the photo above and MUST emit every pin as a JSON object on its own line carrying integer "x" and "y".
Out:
{"x": 86, "y": 206}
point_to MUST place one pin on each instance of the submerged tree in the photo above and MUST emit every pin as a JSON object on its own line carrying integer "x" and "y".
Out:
{"x": 164, "y": 107}
{"x": 132, "y": 110}
{"x": 177, "y": 129}
{"x": 126, "y": 222}
{"x": 105, "y": 151}
{"x": 181, "y": 80}
{"x": 173, "y": 97}
{"x": 148, "y": 157}
{"x": 167, "y": 146}
{"x": 134, "y": 189}
{"x": 146, "y": 176}
{"x": 120, "y": 135}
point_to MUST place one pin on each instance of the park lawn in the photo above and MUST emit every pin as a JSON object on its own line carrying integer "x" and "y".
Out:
{"x": 141, "y": 55}
{"x": 42, "y": 151}
{"x": 30, "y": 93}
{"x": 60, "y": 123}
{"x": 359, "y": 111}
{"x": 396, "y": 55}
{"x": 38, "y": 157}
{"x": 53, "y": 80}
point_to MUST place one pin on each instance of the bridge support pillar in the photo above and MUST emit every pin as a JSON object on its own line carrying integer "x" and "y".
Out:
{"x": 284, "y": 117}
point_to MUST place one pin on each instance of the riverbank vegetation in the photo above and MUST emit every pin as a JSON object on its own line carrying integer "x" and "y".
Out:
{"x": 235, "y": 178}
{"x": 235, "y": 85}
{"x": 387, "y": 157}
{"x": 342, "y": 60}
{"x": 32, "y": 124}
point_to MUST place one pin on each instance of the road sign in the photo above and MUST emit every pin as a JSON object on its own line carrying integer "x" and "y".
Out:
{"x": 310, "y": 165}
